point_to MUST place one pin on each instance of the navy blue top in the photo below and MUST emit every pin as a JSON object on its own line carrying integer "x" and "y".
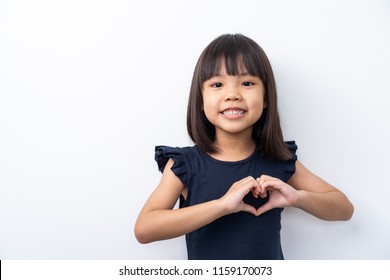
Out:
{"x": 236, "y": 236}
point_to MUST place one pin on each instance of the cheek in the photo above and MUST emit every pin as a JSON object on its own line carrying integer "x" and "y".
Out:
{"x": 209, "y": 104}
{"x": 208, "y": 110}
{"x": 258, "y": 106}
{"x": 259, "y": 112}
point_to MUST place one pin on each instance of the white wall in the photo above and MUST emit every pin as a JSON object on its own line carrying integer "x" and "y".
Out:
{"x": 88, "y": 88}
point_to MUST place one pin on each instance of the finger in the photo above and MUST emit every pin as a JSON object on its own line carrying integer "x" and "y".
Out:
{"x": 260, "y": 180}
{"x": 264, "y": 181}
{"x": 241, "y": 188}
{"x": 272, "y": 184}
{"x": 249, "y": 208}
{"x": 262, "y": 192}
{"x": 264, "y": 208}
{"x": 251, "y": 185}
{"x": 255, "y": 193}
{"x": 264, "y": 178}
{"x": 254, "y": 182}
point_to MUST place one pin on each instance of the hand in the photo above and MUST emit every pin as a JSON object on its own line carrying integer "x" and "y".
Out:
{"x": 233, "y": 199}
{"x": 280, "y": 193}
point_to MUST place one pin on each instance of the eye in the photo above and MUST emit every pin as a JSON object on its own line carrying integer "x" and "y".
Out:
{"x": 216, "y": 85}
{"x": 248, "y": 84}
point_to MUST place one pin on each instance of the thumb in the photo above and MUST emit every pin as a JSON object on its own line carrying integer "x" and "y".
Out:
{"x": 264, "y": 208}
{"x": 249, "y": 208}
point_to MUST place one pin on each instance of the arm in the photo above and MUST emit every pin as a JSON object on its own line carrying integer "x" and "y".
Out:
{"x": 158, "y": 220}
{"x": 318, "y": 197}
{"x": 308, "y": 192}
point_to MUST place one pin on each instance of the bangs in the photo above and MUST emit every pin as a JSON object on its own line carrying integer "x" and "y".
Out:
{"x": 234, "y": 54}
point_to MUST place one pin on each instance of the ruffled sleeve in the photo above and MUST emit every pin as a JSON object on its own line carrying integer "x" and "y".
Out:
{"x": 164, "y": 153}
{"x": 290, "y": 164}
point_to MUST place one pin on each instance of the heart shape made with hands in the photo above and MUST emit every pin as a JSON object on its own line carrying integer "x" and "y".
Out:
{"x": 280, "y": 194}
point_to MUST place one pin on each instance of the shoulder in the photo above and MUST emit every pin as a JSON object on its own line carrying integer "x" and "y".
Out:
{"x": 177, "y": 154}
{"x": 289, "y": 165}
{"x": 292, "y": 147}
{"x": 182, "y": 161}
{"x": 162, "y": 150}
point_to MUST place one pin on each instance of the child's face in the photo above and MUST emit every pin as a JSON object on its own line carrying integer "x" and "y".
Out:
{"x": 233, "y": 104}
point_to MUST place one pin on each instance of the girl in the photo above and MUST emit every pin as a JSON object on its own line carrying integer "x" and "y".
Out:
{"x": 234, "y": 183}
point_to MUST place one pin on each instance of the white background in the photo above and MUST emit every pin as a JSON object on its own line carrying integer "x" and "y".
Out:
{"x": 88, "y": 88}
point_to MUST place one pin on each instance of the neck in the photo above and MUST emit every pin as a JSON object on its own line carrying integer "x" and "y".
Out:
{"x": 233, "y": 147}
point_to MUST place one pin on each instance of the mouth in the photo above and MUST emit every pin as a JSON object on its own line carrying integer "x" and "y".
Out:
{"x": 233, "y": 112}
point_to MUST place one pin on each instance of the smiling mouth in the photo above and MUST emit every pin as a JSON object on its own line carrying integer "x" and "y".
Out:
{"x": 231, "y": 112}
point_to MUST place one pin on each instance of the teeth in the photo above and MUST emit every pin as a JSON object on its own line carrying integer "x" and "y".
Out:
{"x": 233, "y": 112}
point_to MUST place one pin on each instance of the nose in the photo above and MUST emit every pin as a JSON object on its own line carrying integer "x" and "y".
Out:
{"x": 233, "y": 94}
